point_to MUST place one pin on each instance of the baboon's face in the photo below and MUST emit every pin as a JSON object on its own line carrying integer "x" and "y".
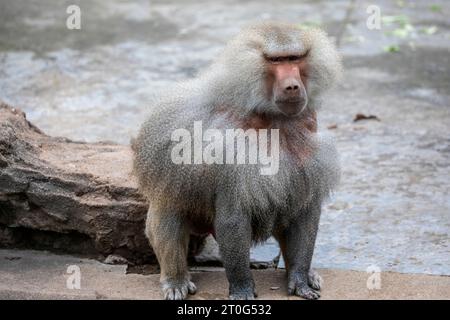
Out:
{"x": 286, "y": 74}
{"x": 278, "y": 69}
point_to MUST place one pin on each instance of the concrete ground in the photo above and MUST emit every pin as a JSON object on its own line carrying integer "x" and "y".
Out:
{"x": 41, "y": 275}
{"x": 392, "y": 210}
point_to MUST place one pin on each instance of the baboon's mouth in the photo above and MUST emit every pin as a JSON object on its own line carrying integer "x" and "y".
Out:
{"x": 295, "y": 100}
{"x": 292, "y": 106}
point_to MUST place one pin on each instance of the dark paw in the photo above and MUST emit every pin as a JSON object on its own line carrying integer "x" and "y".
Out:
{"x": 176, "y": 290}
{"x": 243, "y": 292}
{"x": 242, "y": 296}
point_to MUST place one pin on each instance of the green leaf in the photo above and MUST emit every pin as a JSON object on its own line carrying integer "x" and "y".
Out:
{"x": 391, "y": 48}
{"x": 401, "y": 20}
{"x": 435, "y": 8}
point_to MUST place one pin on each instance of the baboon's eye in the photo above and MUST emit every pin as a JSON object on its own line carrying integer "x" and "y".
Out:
{"x": 289, "y": 58}
{"x": 274, "y": 59}
{"x": 293, "y": 58}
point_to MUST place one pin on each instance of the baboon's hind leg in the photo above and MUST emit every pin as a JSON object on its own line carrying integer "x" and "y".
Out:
{"x": 169, "y": 237}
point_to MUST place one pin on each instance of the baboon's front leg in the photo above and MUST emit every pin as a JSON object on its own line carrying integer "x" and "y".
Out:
{"x": 169, "y": 237}
{"x": 234, "y": 236}
{"x": 297, "y": 244}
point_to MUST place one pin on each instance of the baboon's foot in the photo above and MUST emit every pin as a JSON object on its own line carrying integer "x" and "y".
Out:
{"x": 298, "y": 285}
{"x": 242, "y": 296}
{"x": 243, "y": 292}
{"x": 177, "y": 290}
{"x": 314, "y": 280}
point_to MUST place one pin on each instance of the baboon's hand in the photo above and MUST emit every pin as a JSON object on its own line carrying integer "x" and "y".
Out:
{"x": 243, "y": 295}
{"x": 243, "y": 292}
{"x": 177, "y": 290}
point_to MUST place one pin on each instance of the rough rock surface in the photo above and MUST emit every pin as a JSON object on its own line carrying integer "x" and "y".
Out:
{"x": 60, "y": 194}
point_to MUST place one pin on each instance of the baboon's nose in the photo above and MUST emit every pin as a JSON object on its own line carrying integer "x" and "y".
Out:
{"x": 291, "y": 87}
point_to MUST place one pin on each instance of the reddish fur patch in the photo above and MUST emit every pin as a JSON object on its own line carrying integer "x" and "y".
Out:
{"x": 295, "y": 133}
{"x": 256, "y": 122}
{"x": 295, "y": 137}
